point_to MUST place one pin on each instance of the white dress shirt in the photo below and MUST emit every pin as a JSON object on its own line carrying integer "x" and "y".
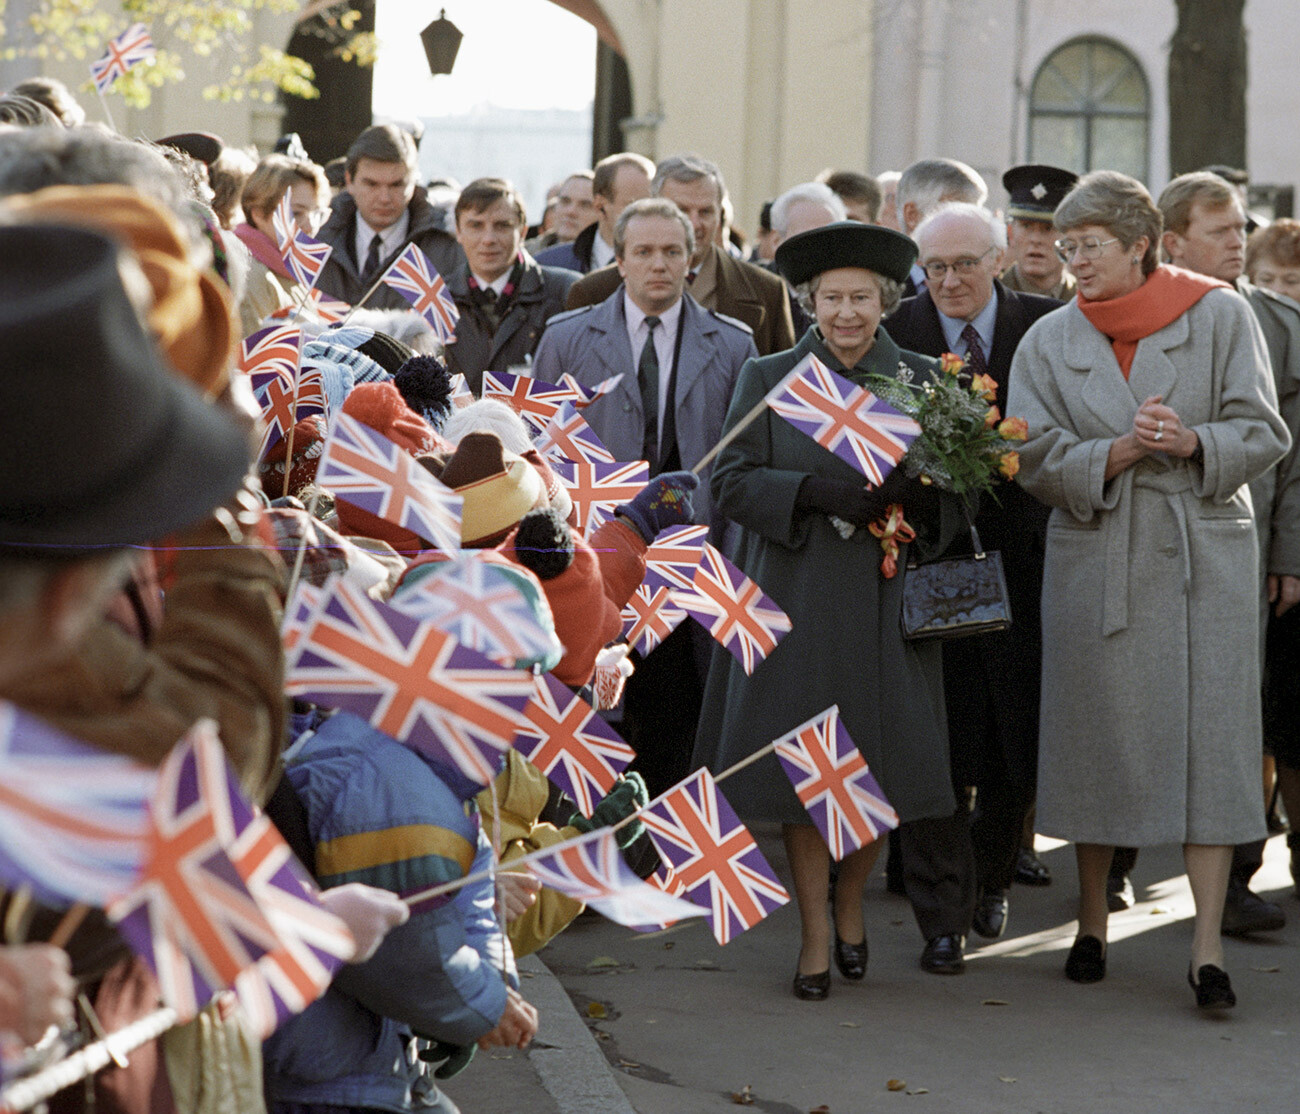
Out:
{"x": 391, "y": 238}
{"x": 665, "y": 335}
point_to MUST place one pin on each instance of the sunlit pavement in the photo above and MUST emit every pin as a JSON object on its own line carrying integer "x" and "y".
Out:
{"x": 686, "y": 1025}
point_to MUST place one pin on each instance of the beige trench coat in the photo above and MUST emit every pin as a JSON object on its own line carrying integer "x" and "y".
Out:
{"x": 1150, "y": 726}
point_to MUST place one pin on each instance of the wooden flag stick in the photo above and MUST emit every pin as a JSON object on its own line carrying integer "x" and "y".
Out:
{"x": 107, "y": 114}
{"x": 364, "y": 297}
{"x": 68, "y": 925}
{"x": 731, "y": 434}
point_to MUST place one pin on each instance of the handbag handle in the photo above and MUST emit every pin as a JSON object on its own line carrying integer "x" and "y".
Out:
{"x": 979, "y": 553}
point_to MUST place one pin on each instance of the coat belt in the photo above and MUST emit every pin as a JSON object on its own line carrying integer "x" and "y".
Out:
{"x": 1171, "y": 484}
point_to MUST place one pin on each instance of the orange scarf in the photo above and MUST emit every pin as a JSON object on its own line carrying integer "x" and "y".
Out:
{"x": 1167, "y": 294}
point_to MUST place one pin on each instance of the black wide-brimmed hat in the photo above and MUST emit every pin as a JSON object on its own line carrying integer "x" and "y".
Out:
{"x": 203, "y": 146}
{"x": 101, "y": 444}
{"x": 1036, "y": 191}
{"x": 846, "y": 243}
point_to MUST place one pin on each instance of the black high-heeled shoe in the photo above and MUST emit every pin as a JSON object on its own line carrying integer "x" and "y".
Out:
{"x": 812, "y": 988}
{"x": 1086, "y": 961}
{"x": 1212, "y": 986}
{"x": 851, "y": 959}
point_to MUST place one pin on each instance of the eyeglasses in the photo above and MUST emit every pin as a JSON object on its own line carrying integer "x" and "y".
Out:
{"x": 1089, "y": 249}
{"x": 936, "y": 270}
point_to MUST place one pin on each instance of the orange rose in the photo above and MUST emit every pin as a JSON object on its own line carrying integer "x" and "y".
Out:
{"x": 1013, "y": 429}
{"x": 992, "y": 417}
{"x": 1009, "y": 464}
{"x": 950, "y": 363}
{"x": 985, "y": 386}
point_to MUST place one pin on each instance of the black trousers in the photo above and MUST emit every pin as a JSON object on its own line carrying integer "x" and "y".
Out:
{"x": 661, "y": 707}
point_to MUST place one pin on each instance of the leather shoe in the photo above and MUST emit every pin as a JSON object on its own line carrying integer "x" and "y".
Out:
{"x": 812, "y": 988}
{"x": 990, "y": 919}
{"x": 1031, "y": 870}
{"x": 1213, "y": 988}
{"x": 1086, "y": 961}
{"x": 943, "y": 955}
{"x": 1119, "y": 893}
{"x": 851, "y": 959}
{"x": 1245, "y": 911}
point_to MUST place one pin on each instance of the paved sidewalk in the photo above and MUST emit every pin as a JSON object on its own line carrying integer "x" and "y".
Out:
{"x": 684, "y": 1024}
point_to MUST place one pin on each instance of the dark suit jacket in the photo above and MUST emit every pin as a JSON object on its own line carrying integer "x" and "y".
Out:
{"x": 743, "y": 291}
{"x": 994, "y": 675}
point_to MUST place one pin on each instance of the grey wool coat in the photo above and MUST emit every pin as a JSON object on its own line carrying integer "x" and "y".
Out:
{"x": 845, "y": 645}
{"x": 1150, "y": 726}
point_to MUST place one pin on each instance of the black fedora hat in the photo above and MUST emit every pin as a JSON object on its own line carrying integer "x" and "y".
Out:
{"x": 846, "y": 243}
{"x": 101, "y": 444}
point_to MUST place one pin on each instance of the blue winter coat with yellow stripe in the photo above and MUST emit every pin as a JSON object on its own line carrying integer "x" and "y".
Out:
{"x": 379, "y": 813}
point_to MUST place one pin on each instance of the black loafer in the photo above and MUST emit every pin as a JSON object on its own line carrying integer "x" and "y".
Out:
{"x": 1031, "y": 870}
{"x": 1245, "y": 912}
{"x": 1213, "y": 988}
{"x": 851, "y": 959}
{"x": 990, "y": 919}
{"x": 812, "y": 988}
{"x": 1086, "y": 961}
{"x": 943, "y": 955}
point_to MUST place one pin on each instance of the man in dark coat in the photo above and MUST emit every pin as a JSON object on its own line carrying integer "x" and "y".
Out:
{"x": 504, "y": 296}
{"x": 618, "y": 181}
{"x": 379, "y": 212}
{"x": 957, "y": 869}
{"x": 716, "y": 280}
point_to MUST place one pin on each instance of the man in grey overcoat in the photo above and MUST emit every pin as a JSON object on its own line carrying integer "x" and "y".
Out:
{"x": 679, "y": 364}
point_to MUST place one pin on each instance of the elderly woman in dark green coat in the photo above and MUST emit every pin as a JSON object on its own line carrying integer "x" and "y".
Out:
{"x": 845, "y": 647}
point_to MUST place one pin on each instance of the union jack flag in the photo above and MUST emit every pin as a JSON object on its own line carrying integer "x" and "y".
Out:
{"x": 305, "y": 258}
{"x": 736, "y": 611}
{"x": 74, "y": 821}
{"x": 833, "y": 783}
{"x": 415, "y": 279}
{"x": 597, "y": 488}
{"x": 859, "y": 428}
{"x": 282, "y": 406}
{"x": 191, "y": 916}
{"x": 482, "y": 606}
{"x": 461, "y": 395}
{"x": 564, "y": 738}
{"x": 314, "y": 942}
{"x": 329, "y": 310}
{"x": 587, "y": 395}
{"x": 275, "y": 348}
{"x": 537, "y": 402}
{"x": 713, "y": 856}
{"x": 283, "y": 222}
{"x": 124, "y": 53}
{"x": 410, "y": 680}
{"x": 568, "y": 437}
{"x": 650, "y": 616}
{"x": 365, "y": 468}
{"x": 591, "y": 870}
{"x": 306, "y": 598}
{"x": 672, "y": 558}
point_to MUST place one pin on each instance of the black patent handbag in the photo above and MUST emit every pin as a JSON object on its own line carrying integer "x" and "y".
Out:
{"x": 955, "y": 596}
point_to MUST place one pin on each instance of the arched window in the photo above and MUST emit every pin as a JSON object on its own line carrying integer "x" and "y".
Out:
{"x": 1089, "y": 109}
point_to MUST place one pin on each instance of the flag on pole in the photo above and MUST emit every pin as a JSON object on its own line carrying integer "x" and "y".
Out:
{"x": 303, "y": 255}
{"x": 329, "y": 310}
{"x": 585, "y": 396}
{"x": 74, "y": 820}
{"x": 537, "y": 402}
{"x": 649, "y": 617}
{"x": 562, "y": 736}
{"x": 850, "y": 421}
{"x": 282, "y": 407}
{"x": 713, "y": 856}
{"x": 417, "y": 280}
{"x": 591, "y": 870}
{"x": 366, "y": 469}
{"x": 833, "y": 783}
{"x": 275, "y": 348}
{"x": 483, "y": 606}
{"x": 734, "y": 609}
{"x": 190, "y": 915}
{"x": 568, "y": 437}
{"x": 672, "y": 558}
{"x": 597, "y": 488}
{"x": 124, "y": 53}
{"x": 411, "y": 680}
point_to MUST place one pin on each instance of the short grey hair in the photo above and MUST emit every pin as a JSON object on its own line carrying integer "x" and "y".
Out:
{"x": 891, "y": 293}
{"x": 1119, "y": 204}
{"x": 687, "y": 168}
{"x": 819, "y": 193}
{"x": 929, "y": 181}
{"x": 651, "y": 207}
{"x": 997, "y": 229}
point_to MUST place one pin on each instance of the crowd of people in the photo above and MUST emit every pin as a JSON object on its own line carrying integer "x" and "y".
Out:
{"x": 1143, "y": 694}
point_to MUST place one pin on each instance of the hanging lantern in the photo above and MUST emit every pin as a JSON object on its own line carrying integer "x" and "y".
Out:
{"x": 441, "y": 43}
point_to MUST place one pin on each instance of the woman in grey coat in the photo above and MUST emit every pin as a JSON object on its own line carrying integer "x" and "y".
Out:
{"x": 1150, "y": 407}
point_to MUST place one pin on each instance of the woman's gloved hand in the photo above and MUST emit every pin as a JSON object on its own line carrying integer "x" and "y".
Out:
{"x": 852, "y": 502}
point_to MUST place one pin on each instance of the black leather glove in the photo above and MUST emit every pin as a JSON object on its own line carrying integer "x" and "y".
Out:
{"x": 849, "y": 501}
{"x": 544, "y": 543}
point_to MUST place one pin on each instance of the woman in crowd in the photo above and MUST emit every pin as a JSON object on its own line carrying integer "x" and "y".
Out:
{"x": 845, "y": 648}
{"x": 1150, "y": 407}
{"x": 270, "y": 286}
{"x": 1273, "y": 258}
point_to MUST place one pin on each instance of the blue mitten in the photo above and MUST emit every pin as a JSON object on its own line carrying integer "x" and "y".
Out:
{"x": 665, "y": 501}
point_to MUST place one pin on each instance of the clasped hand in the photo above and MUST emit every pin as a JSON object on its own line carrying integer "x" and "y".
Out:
{"x": 1158, "y": 429}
